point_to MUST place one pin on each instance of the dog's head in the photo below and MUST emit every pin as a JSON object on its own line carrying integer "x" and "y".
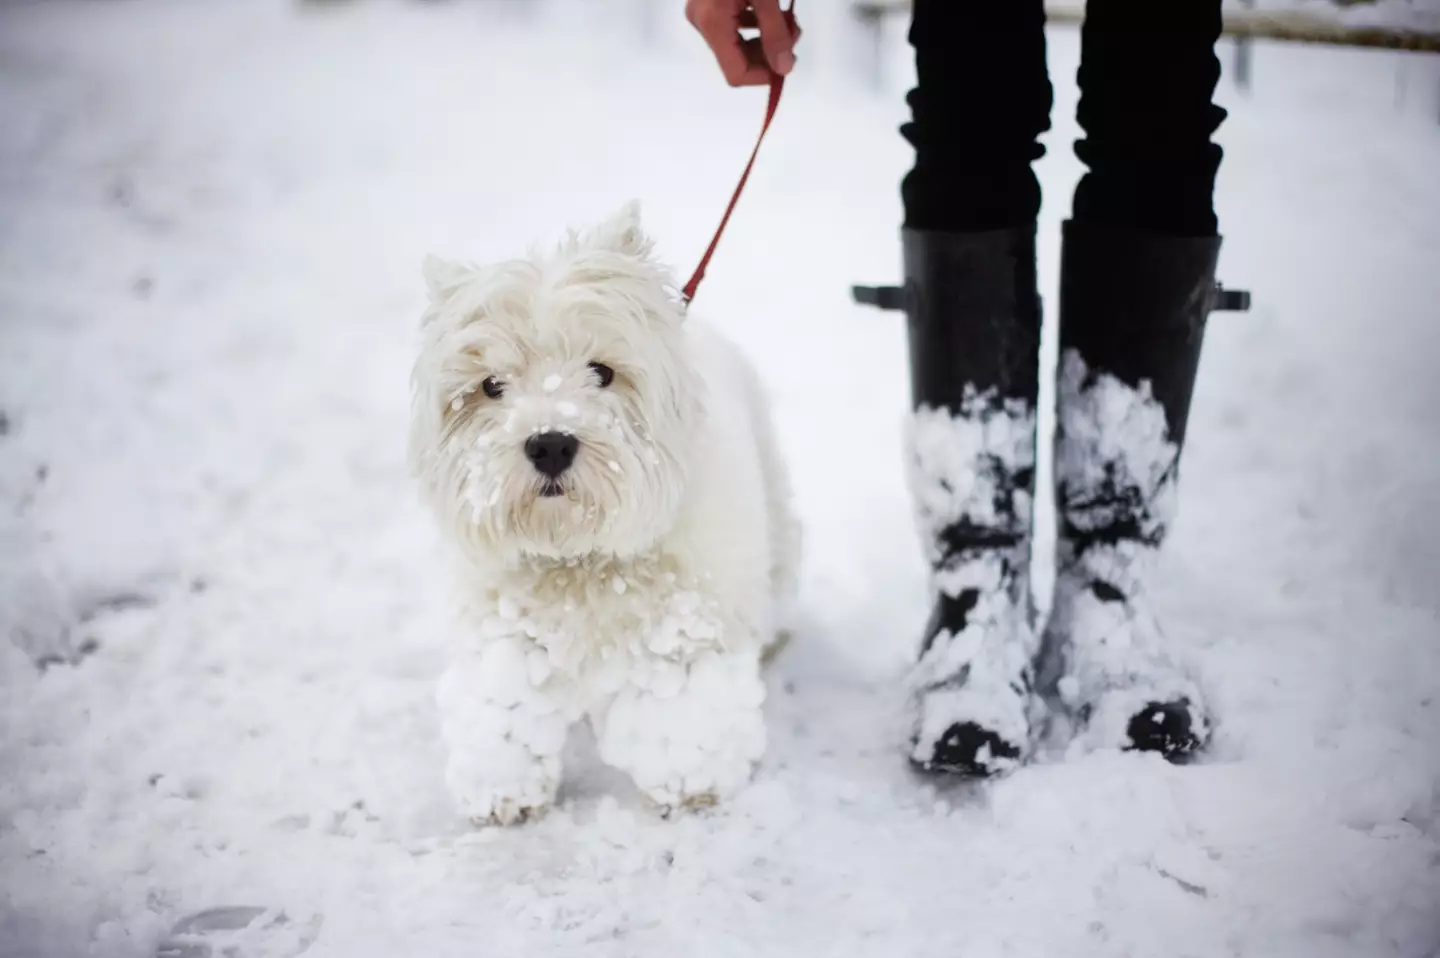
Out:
{"x": 553, "y": 398}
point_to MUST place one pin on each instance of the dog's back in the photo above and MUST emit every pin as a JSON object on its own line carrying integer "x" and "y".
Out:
{"x": 740, "y": 424}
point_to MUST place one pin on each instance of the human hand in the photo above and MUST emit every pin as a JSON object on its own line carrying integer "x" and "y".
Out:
{"x": 746, "y": 62}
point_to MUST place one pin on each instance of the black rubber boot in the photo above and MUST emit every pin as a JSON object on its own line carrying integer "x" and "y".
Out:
{"x": 974, "y": 333}
{"x": 1133, "y": 308}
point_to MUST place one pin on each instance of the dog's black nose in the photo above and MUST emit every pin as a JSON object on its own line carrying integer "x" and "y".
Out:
{"x": 551, "y": 452}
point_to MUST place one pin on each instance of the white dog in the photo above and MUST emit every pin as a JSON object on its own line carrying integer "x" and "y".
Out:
{"x": 606, "y": 471}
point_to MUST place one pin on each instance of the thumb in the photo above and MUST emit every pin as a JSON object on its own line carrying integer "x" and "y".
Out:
{"x": 775, "y": 37}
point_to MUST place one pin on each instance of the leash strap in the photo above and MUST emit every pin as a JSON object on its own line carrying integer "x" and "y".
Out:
{"x": 777, "y": 86}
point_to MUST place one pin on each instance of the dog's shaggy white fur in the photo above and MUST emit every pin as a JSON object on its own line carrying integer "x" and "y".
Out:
{"x": 641, "y": 586}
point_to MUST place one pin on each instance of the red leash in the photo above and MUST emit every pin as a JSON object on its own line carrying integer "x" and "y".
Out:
{"x": 777, "y": 86}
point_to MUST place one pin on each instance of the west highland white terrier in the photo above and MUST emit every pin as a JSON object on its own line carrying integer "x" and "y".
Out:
{"x": 606, "y": 471}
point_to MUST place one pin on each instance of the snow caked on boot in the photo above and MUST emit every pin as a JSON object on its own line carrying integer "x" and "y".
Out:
{"x": 1133, "y": 307}
{"x": 974, "y": 332}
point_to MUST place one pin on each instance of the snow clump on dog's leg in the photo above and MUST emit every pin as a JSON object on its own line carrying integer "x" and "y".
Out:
{"x": 504, "y": 734}
{"x": 694, "y": 736}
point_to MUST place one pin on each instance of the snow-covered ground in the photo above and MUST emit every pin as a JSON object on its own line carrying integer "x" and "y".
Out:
{"x": 212, "y": 218}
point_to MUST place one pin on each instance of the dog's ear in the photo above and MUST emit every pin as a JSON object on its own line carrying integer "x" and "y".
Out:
{"x": 442, "y": 278}
{"x": 623, "y": 232}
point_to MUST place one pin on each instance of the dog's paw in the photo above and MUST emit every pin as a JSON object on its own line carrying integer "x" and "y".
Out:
{"x": 704, "y": 778}
{"x": 703, "y": 800}
{"x": 700, "y": 803}
{"x": 506, "y": 812}
{"x": 502, "y": 786}
{"x": 695, "y": 747}
{"x": 491, "y": 803}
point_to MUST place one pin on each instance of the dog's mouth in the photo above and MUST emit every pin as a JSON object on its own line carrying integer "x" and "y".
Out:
{"x": 552, "y": 488}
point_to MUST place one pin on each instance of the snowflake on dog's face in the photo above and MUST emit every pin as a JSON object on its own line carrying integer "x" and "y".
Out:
{"x": 553, "y": 399}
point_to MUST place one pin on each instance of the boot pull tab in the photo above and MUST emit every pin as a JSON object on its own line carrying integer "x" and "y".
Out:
{"x": 892, "y": 298}
{"x": 881, "y": 297}
{"x": 1230, "y": 300}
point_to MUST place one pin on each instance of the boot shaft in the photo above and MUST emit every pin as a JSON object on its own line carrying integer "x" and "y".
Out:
{"x": 973, "y": 325}
{"x": 1133, "y": 305}
{"x": 1133, "y": 308}
{"x": 973, "y": 316}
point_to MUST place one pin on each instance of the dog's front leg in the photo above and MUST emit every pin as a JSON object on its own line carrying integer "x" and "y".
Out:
{"x": 693, "y": 734}
{"x": 504, "y": 731}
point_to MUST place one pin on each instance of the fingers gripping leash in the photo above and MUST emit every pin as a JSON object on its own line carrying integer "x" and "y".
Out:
{"x": 777, "y": 87}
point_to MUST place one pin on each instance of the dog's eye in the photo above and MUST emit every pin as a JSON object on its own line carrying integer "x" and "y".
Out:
{"x": 493, "y": 387}
{"x": 606, "y": 374}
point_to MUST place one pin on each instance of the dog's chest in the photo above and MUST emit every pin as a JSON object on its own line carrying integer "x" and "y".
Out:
{"x": 608, "y": 617}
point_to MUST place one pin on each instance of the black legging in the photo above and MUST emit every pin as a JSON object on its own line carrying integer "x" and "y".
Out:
{"x": 1147, "y": 75}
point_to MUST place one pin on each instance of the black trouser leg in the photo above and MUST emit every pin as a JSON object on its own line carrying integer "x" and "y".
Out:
{"x": 981, "y": 101}
{"x": 1147, "y": 78}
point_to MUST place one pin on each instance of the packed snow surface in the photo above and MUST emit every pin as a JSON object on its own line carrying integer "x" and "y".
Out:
{"x": 212, "y": 222}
